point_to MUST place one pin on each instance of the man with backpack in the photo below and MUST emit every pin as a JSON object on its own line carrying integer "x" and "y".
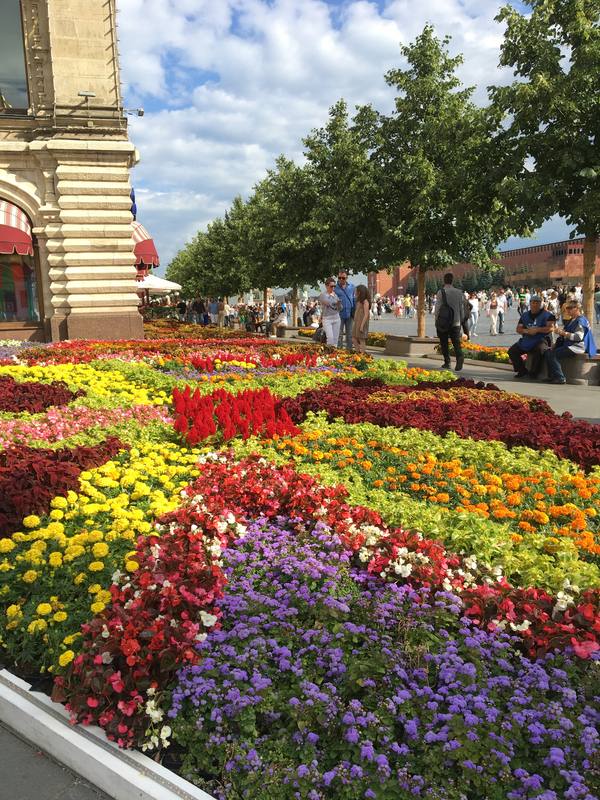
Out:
{"x": 450, "y": 317}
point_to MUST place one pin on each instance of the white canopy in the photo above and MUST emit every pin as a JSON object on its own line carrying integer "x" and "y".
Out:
{"x": 156, "y": 285}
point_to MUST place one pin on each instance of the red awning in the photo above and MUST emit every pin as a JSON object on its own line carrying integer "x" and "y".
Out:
{"x": 15, "y": 230}
{"x": 145, "y": 250}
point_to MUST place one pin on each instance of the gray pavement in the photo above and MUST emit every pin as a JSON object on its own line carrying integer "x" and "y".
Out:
{"x": 28, "y": 774}
{"x": 408, "y": 327}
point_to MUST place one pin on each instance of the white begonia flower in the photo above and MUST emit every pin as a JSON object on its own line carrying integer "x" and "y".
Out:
{"x": 208, "y": 620}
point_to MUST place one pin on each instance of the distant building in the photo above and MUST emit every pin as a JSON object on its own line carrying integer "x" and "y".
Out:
{"x": 539, "y": 265}
{"x": 547, "y": 264}
{"x": 403, "y": 279}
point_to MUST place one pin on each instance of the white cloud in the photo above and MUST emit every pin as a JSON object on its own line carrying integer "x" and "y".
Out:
{"x": 230, "y": 84}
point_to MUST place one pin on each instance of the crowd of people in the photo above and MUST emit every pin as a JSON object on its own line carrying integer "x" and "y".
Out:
{"x": 551, "y": 326}
{"x": 551, "y": 323}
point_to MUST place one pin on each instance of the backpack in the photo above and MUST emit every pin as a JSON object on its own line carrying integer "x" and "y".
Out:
{"x": 445, "y": 318}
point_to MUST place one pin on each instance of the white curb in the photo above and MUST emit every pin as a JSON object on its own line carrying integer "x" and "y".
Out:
{"x": 121, "y": 774}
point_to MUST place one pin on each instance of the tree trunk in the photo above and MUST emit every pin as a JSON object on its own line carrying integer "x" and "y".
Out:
{"x": 421, "y": 301}
{"x": 295, "y": 306}
{"x": 265, "y": 303}
{"x": 589, "y": 275}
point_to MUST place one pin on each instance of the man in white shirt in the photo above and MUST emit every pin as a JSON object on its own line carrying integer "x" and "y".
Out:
{"x": 502, "y": 308}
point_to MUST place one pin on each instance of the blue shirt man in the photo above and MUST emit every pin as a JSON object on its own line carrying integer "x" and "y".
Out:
{"x": 535, "y": 327}
{"x": 345, "y": 293}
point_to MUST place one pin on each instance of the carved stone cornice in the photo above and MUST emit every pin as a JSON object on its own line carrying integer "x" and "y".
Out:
{"x": 38, "y": 56}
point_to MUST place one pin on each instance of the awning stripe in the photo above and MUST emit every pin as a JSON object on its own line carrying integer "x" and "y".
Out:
{"x": 15, "y": 230}
{"x": 145, "y": 249}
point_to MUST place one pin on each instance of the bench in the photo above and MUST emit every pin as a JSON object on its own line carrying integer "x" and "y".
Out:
{"x": 287, "y": 331}
{"x": 409, "y": 345}
{"x": 579, "y": 371}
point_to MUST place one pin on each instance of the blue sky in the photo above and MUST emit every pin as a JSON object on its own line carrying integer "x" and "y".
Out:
{"x": 227, "y": 85}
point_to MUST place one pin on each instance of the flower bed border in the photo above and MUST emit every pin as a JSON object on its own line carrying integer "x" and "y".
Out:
{"x": 122, "y": 774}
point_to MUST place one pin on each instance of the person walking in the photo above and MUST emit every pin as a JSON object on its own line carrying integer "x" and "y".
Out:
{"x": 345, "y": 293}
{"x": 502, "y": 309}
{"x": 597, "y": 303}
{"x": 331, "y": 305}
{"x": 220, "y": 312}
{"x": 449, "y": 319}
{"x": 535, "y": 327}
{"x": 360, "y": 327}
{"x": 492, "y": 311}
{"x": 474, "y": 314}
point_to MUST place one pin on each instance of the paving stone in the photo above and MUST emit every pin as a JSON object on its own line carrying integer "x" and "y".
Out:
{"x": 28, "y": 774}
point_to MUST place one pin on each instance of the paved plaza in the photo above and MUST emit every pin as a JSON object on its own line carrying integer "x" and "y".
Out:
{"x": 28, "y": 774}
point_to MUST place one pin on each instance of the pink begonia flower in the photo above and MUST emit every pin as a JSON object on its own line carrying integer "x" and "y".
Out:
{"x": 60, "y": 423}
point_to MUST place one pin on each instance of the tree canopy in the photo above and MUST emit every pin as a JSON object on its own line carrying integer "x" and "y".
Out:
{"x": 553, "y": 113}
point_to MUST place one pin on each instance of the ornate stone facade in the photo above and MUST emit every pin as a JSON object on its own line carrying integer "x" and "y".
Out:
{"x": 66, "y": 164}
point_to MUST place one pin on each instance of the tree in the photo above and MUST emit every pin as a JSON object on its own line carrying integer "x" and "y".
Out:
{"x": 212, "y": 264}
{"x": 298, "y": 254}
{"x": 343, "y": 178}
{"x": 443, "y": 197}
{"x": 554, "y": 113}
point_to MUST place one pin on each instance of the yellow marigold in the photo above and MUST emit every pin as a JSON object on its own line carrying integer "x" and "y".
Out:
{"x": 14, "y": 612}
{"x": 32, "y": 521}
{"x": 104, "y": 596}
{"x": 56, "y": 513}
{"x": 100, "y": 550}
{"x": 66, "y": 658}
{"x": 56, "y": 528}
{"x": 37, "y": 626}
{"x": 55, "y": 559}
{"x": 60, "y": 616}
{"x": 30, "y": 576}
{"x": 96, "y": 566}
{"x": 59, "y": 502}
{"x": 131, "y": 566}
{"x": 43, "y": 609}
{"x": 6, "y": 545}
{"x": 94, "y": 588}
{"x": 97, "y": 608}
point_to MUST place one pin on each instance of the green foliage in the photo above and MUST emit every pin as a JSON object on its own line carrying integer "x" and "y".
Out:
{"x": 438, "y": 199}
{"x": 552, "y": 114}
{"x": 345, "y": 182}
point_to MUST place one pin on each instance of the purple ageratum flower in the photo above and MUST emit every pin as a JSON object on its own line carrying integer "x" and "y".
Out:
{"x": 279, "y": 577}
{"x": 367, "y": 752}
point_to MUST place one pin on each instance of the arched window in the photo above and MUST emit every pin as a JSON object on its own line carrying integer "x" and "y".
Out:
{"x": 18, "y": 275}
{"x": 14, "y": 98}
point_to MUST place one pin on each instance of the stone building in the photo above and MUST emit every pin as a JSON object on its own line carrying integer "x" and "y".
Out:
{"x": 67, "y": 263}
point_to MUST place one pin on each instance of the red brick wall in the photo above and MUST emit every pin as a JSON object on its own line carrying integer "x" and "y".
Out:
{"x": 538, "y": 265}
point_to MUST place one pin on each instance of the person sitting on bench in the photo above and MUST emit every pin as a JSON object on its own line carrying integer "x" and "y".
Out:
{"x": 575, "y": 338}
{"x": 535, "y": 327}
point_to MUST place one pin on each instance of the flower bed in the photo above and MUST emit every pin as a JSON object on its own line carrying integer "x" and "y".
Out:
{"x": 374, "y": 339}
{"x": 392, "y": 592}
{"x": 482, "y": 353}
{"x": 506, "y": 418}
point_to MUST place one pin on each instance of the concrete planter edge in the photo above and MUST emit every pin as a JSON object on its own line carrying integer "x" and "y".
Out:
{"x": 121, "y": 774}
